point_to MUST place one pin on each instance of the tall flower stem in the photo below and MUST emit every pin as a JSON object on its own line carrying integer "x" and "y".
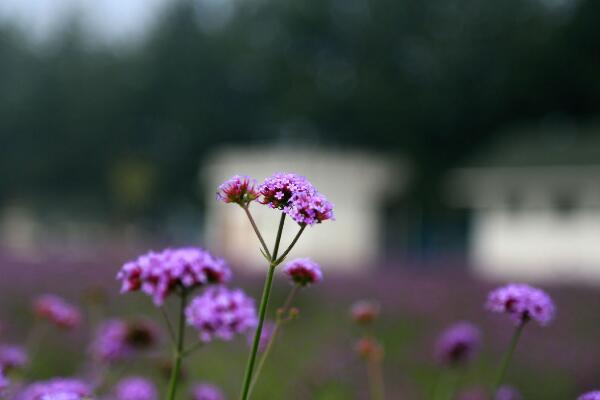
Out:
{"x": 375, "y": 374}
{"x": 257, "y": 231}
{"x": 262, "y": 312}
{"x": 507, "y": 356}
{"x": 178, "y": 354}
{"x": 280, "y": 319}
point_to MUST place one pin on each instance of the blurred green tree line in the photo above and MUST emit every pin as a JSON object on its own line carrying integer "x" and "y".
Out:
{"x": 432, "y": 80}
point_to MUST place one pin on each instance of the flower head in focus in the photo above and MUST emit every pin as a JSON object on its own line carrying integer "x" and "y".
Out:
{"x": 507, "y": 393}
{"x": 56, "y": 389}
{"x": 522, "y": 302}
{"x": 57, "y": 311}
{"x": 458, "y": 344}
{"x": 238, "y": 189}
{"x": 364, "y": 312}
{"x": 303, "y": 271}
{"x": 207, "y": 391}
{"x": 159, "y": 274}
{"x": 594, "y": 395}
{"x": 221, "y": 313}
{"x": 277, "y": 190}
{"x": 118, "y": 340}
{"x": 12, "y": 357}
{"x": 135, "y": 388}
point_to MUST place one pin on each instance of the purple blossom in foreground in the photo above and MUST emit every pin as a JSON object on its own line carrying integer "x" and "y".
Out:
{"x": 57, "y": 311}
{"x": 303, "y": 271}
{"x": 458, "y": 344}
{"x": 594, "y": 395}
{"x": 12, "y": 357}
{"x": 522, "y": 302}
{"x": 238, "y": 189}
{"x": 206, "y": 391}
{"x": 507, "y": 393}
{"x": 135, "y": 388}
{"x": 277, "y": 190}
{"x": 56, "y": 389}
{"x": 118, "y": 340}
{"x": 159, "y": 274}
{"x": 221, "y": 313}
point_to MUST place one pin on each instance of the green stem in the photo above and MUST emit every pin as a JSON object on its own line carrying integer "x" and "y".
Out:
{"x": 261, "y": 314}
{"x": 175, "y": 372}
{"x": 256, "y": 230}
{"x": 507, "y": 357}
{"x": 285, "y": 253}
{"x": 375, "y": 379}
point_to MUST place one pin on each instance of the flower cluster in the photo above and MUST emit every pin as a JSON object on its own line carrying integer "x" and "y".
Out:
{"x": 238, "y": 189}
{"x": 457, "y": 344}
{"x": 56, "y": 389}
{"x": 522, "y": 302}
{"x": 507, "y": 393}
{"x": 135, "y": 388}
{"x": 595, "y": 395}
{"x": 303, "y": 271}
{"x": 206, "y": 391}
{"x": 297, "y": 197}
{"x": 221, "y": 313}
{"x": 364, "y": 312}
{"x": 12, "y": 357}
{"x": 118, "y": 340}
{"x": 159, "y": 274}
{"x": 56, "y": 310}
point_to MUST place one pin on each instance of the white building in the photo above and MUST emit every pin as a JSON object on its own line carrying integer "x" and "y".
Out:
{"x": 536, "y": 210}
{"x": 355, "y": 182}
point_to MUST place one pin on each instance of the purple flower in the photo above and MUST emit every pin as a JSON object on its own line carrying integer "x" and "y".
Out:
{"x": 238, "y": 189}
{"x": 309, "y": 208}
{"x": 457, "y": 344}
{"x": 278, "y": 189}
{"x": 507, "y": 393}
{"x": 118, "y": 340}
{"x": 135, "y": 388}
{"x": 56, "y": 310}
{"x": 522, "y": 302}
{"x": 57, "y": 388}
{"x": 4, "y": 382}
{"x": 303, "y": 271}
{"x": 221, "y": 313}
{"x": 206, "y": 391}
{"x": 12, "y": 357}
{"x": 364, "y": 311}
{"x": 159, "y": 274}
{"x": 594, "y": 395}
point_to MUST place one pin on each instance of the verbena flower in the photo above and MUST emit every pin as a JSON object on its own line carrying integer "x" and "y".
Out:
{"x": 522, "y": 302}
{"x": 369, "y": 349}
{"x": 221, "y": 313}
{"x": 135, "y": 388}
{"x": 277, "y": 190}
{"x": 12, "y": 357}
{"x": 57, "y": 311}
{"x": 159, "y": 274}
{"x": 594, "y": 395}
{"x": 309, "y": 208}
{"x": 303, "y": 271}
{"x": 458, "y": 344}
{"x": 118, "y": 340}
{"x": 206, "y": 391}
{"x": 238, "y": 189}
{"x": 507, "y": 393}
{"x": 364, "y": 312}
{"x": 57, "y": 388}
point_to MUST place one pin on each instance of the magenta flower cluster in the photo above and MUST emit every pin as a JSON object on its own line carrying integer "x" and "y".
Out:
{"x": 238, "y": 189}
{"x": 118, "y": 340}
{"x": 159, "y": 274}
{"x": 135, "y": 388}
{"x": 458, "y": 344}
{"x": 221, "y": 313}
{"x": 57, "y": 311}
{"x": 303, "y": 271}
{"x": 522, "y": 303}
{"x": 56, "y": 389}
{"x": 12, "y": 357}
{"x": 206, "y": 391}
{"x": 594, "y": 395}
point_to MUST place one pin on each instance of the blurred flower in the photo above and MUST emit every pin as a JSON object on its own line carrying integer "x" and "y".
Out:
{"x": 507, "y": 393}
{"x": 595, "y": 395}
{"x": 221, "y": 313}
{"x": 369, "y": 349}
{"x": 303, "y": 271}
{"x": 238, "y": 189}
{"x": 457, "y": 344}
{"x": 364, "y": 312}
{"x": 265, "y": 335}
{"x": 278, "y": 189}
{"x": 522, "y": 302}
{"x": 159, "y": 274}
{"x": 118, "y": 339}
{"x": 56, "y": 310}
{"x": 206, "y": 391}
{"x": 12, "y": 357}
{"x": 56, "y": 389}
{"x": 135, "y": 388}
{"x": 4, "y": 382}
